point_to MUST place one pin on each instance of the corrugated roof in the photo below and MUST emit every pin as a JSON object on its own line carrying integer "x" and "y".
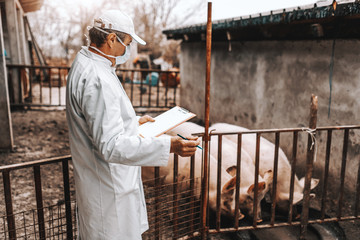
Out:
{"x": 31, "y": 5}
{"x": 304, "y": 22}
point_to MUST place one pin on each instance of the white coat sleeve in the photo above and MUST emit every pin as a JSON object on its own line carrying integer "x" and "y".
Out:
{"x": 100, "y": 104}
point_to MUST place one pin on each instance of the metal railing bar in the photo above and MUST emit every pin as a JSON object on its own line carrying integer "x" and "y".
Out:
{"x": 50, "y": 85}
{"x": 59, "y": 85}
{"x": 292, "y": 177}
{"x": 31, "y": 74}
{"x": 41, "y": 74}
{"x": 157, "y": 202}
{"x": 33, "y": 215}
{"x": 263, "y": 226}
{"x": 326, "y": 173}
{"x": 214, "y": 133}
{"x": 141, "y": 95}
{"x": 357, "y": 196}
{"x": 218, "y": 187}
{"x": 275, "y": 174}
{"x": 24, "y": 223}
{"x": 192, "y": 189}
{"x": 256, "y": 180}
{"x": 20, "y": 86}
{"x": 34, "y": 163}
{"x": 39, "y": 202}
{"x": 150, "y": 83}
{"x": 65, "y": 168}
{"x": 343, "y": 168}
{"x": 238, "y": 180}
{"x": 175, "y": 196}
{"x": 9, "y": 207}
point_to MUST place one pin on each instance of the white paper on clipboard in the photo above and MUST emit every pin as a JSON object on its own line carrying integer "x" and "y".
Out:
{"x": 165, "y": 122}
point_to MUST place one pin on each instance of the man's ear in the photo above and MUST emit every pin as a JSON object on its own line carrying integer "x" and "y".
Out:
{"x": 111, "y": 39}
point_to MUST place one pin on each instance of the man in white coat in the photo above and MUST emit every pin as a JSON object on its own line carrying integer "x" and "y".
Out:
{"x": 106, "y": 149}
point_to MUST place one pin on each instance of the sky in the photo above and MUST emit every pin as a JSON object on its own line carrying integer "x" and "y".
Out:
{"x": 223, "y": 9}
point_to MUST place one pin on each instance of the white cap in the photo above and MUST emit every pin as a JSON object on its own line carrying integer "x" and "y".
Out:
{"x": 118, "y": 21}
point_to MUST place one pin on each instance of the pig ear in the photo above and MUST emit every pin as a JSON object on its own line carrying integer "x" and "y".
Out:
{"x": 262, "y": 186}
{"x": 231, "y": 170}
{"x": 229, "y": 186}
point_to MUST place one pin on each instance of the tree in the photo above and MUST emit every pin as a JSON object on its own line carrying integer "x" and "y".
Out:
{"x": 60, "y": 25}
{"x": 152, "y": 17}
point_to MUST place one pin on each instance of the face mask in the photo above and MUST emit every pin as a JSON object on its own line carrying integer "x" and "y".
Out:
{"x": 118, "y": 59}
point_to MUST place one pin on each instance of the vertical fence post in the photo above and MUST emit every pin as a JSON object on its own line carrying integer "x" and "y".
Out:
{"x": 69, "y": 230}
{"x": 292, "y": 178}
{"x": 192, "y": 192}
{"x": 238, "y": 177}
{"x": 149, "y": 84}
{"x": 157, "y": 203}
{"x": 218, "y": 189}
{"x": 175, "y": 197}
{"x": 309, "y": 166}
{"x": 342, "y": 174}
{"x": 275, "y": 174}
{"x": 326, "y": 174}
{"x": 39, "y": 202}
{"x": 204, "y": 187}
{"x": 9, "y": 208}
{"x": 256, "y": 179}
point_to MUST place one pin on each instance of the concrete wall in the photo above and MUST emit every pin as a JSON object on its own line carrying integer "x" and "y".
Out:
{"x": 268, "y": 84}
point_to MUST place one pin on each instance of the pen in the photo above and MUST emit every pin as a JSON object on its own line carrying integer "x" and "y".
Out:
{"x": 188, "y": 139}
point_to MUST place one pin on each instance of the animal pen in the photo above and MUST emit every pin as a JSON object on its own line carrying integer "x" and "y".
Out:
{"x": 180, "y": 210}
{"x": 175, "y": 210}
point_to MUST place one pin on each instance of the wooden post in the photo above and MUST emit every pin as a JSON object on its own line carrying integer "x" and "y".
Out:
{"x": 205, "y": 180}
{"x": 6, "y": 139}
{"x": 309, "y": 166}
{"x": 14, "y": 46}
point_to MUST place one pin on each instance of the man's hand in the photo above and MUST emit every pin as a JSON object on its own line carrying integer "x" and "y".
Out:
{"x": 184, "y": 148}
{"x": 145, "y": 118}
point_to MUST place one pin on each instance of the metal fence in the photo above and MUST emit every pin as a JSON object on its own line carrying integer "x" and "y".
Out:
{"x": 44, "y": 86}
{"x": 174, "y": 208}
{"x": 329, "y": 211}
{"x": 41, "y": 222}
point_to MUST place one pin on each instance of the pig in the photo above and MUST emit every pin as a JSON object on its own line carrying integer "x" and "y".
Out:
{"x": 247, "y": 174}
{"x": 227, "y": 181}
{"x": 186, "y": 129}
{"x": 229, "y": 163}
{"x": 266, "y": 159}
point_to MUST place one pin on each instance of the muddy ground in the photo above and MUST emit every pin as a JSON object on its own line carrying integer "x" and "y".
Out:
{"x": 44, "y": 134}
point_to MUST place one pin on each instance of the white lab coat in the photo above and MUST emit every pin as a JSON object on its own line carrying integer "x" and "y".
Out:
{"x": 107, "y": 152}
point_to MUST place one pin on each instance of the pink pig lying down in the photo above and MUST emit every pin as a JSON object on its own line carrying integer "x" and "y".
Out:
{"x": 229, "y": 155}
{"x": 266, "y": 160}
{"x": 227, "y": 203}
{"x": 247, "y": 174}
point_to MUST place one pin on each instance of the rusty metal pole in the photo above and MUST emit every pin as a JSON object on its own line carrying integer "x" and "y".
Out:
{"x": 309, "y": 166}
{"x": 205, "y": 181}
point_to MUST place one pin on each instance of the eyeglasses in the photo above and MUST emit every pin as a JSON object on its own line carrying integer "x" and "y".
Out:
{"x": 118, "y": 38}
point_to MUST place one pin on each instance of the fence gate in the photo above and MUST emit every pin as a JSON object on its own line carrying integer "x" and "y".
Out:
{"x": 44, "y": 86}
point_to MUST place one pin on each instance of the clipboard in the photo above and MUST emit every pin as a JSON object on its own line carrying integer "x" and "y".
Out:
{"x": 165, "y": 122}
